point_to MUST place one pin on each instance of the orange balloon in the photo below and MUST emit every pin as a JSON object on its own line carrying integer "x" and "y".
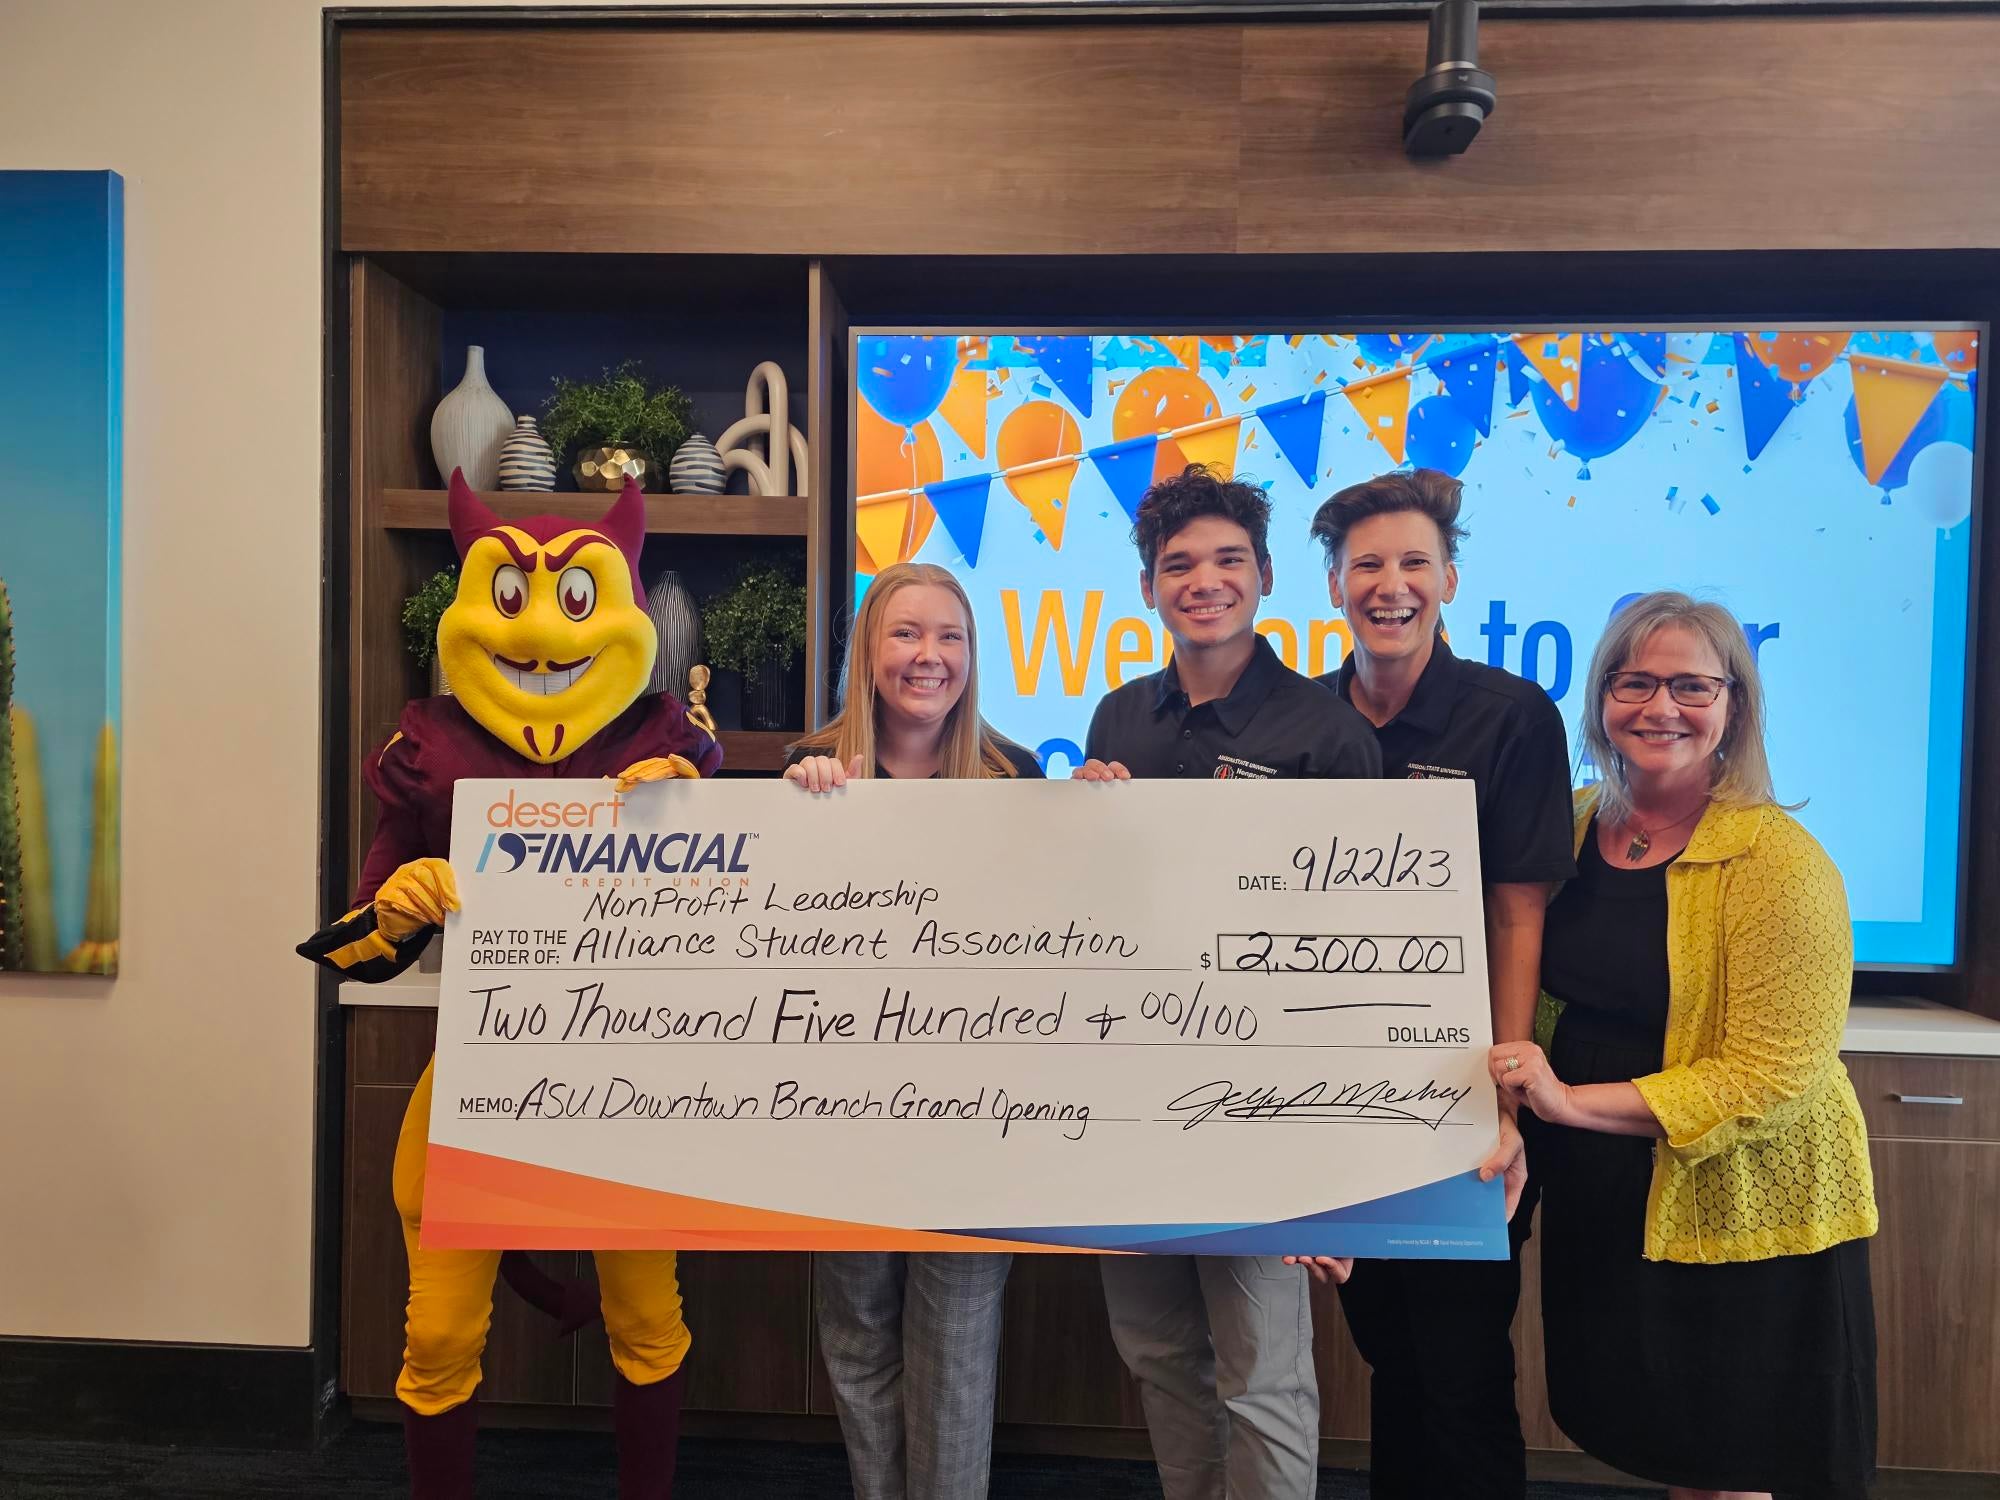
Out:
{"x": 1799, "y": 357}
{"x": 887, "y": 458}
{"x": 1160, "y": 401}
{"x": 1959, "y": 351}
{"x": 1037, "y": 433}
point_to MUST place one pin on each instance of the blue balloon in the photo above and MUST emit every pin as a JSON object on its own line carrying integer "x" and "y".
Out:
{"x": 1615, "y": 399}
{"x": 905, "y": 376}
{"x": 1651, "y": 349}
{"x": 1948, "y": 419}
{"x": 1439, "y": 435}
{"x": 1389, "y": 348}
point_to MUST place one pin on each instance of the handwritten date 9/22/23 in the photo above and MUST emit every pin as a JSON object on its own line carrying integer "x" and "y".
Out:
{"x": 1344, "y": 866}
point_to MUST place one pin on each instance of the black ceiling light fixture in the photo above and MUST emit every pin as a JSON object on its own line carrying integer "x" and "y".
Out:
{"x": 1446, "y": 106}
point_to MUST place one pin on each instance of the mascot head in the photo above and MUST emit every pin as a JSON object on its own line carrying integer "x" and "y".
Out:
{"x": 548, "y": 639}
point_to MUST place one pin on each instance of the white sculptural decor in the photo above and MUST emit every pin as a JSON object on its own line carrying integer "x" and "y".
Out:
{"x": 765, "y": 445}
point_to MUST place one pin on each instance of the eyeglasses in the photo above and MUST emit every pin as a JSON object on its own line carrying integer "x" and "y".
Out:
{"x": 1691, "y": 689}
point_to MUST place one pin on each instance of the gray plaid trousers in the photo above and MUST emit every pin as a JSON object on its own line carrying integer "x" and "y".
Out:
{"x": 912, "y": 1347}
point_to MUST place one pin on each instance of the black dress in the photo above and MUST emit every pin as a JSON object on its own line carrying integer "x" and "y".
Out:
{"x": 1744, "y": 1375}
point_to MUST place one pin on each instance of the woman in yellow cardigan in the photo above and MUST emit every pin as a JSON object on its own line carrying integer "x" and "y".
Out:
{"x": 1706, "y": 1195}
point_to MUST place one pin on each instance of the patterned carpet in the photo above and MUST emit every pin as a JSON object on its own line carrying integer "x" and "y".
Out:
{"x": 366, "y": 1463}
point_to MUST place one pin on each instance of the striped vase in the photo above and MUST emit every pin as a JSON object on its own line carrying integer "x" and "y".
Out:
{"x": 697, "y": 468}
{"x": 525, "y": 460}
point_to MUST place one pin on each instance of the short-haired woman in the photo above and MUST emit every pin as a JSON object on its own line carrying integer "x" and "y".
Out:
{"x": 1706, "y": 1194}
{"x": 911, "y": 1341}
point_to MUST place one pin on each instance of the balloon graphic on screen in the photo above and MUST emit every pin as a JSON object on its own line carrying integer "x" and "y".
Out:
{"x": 1387, "y": 349}
{"x": 1615, "y": 398}
{"x": 1650, "y": 349}
{"x": 905, "y": 376}
{"x": 1799, "y": 357}
{"x": 1940, "y": 480}
{"x": 891, "y": 461}
{"x": 1439, "y": 435}
{"x": 1043, "y": 438}
{"x": 1160, "y": 401}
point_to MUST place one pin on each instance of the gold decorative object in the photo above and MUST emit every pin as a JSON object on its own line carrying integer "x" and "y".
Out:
{"x": 697, "y": 704}
{"x": 605, "y": 468}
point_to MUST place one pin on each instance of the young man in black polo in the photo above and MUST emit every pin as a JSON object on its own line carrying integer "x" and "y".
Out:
{"x": 1437, "y": 1334}
{"x": 1225, "y": 707}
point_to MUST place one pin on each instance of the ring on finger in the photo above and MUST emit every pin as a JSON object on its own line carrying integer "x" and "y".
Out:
{"x": 1512, "y": 1063}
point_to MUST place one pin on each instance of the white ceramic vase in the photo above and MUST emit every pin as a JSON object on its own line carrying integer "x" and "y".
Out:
{"x": 470, "y": 425}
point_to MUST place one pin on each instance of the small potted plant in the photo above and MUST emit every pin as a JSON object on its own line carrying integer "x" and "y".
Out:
{"x": 758, "y": 628}
{"x": 616, "y": 426}
{"x": 421, "y": 613}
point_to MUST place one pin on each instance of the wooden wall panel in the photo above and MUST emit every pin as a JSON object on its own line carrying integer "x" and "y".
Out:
{"x": 393, "y": 364}
{"x": 1937, "y": 1303}
{"x": 788, "y": 140}
{"x": 827, "y": 562}
{"x": 1679, "y": 133}
{"x": 1698, "y": 132}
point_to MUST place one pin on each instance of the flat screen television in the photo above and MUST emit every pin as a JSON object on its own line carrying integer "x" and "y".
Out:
{"x": 1819, "y": 482}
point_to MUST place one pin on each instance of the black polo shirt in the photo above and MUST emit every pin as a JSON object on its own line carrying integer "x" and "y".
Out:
{"x": 1468, "y": 720}
{"x": 1273, "y": 723}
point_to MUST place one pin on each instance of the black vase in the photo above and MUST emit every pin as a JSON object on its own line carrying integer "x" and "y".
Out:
{"x": 772, "y": 699}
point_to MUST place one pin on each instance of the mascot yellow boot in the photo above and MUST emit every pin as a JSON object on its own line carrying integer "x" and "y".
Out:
{"x": 549, "y": 651}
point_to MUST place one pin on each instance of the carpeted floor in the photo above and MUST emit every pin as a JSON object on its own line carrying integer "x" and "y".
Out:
{"x": 366, "y": 1463}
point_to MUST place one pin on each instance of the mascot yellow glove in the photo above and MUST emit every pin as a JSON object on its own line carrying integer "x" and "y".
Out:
{"x": 655, "y": 769}
{"x": 415, "y": 896}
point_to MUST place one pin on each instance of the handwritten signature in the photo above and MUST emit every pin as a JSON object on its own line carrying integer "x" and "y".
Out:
{"x": 1426, "y": 1103}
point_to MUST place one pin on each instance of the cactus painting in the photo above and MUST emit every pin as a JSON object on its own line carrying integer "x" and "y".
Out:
{"x": 61, "y": 302}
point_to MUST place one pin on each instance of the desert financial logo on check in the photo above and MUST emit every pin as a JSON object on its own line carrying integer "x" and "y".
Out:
{"x": 614, "y": 853}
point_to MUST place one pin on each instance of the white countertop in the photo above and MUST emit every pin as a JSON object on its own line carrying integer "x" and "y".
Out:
{"x": 1876, "y": 1024}
{"x": 1883, "y": 1024}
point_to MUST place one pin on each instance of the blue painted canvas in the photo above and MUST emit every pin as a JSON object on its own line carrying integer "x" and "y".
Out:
{"x": 61, "y": 359}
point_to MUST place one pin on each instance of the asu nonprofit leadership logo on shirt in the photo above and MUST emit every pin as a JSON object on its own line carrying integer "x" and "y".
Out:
{"x": 1234, "y": 767}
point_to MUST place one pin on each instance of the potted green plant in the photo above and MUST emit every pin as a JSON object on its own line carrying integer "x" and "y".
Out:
{"x": 616, "y": 426}
{"x": 421, "y": 613}
{"x": 758, "y": 628}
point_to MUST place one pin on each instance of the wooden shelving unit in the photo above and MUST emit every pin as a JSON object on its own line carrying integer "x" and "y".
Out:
{"x": 755, "y": 749}
{"x": 402, "y": 318}
{"x": 666, "y": 515}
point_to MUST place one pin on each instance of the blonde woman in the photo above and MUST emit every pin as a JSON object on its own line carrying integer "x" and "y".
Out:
{"x": 1706, "y": 1194}
{"x": 911, "y": 1342}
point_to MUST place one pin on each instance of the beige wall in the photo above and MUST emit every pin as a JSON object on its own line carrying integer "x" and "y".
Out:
{"x": 156, "y": 1130}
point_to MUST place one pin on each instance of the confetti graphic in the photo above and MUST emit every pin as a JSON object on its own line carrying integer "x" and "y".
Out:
{"x": 1783, "y": 472}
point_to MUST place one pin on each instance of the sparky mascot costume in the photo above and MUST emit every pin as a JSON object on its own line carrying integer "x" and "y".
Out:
{"x": 549, "y": 650}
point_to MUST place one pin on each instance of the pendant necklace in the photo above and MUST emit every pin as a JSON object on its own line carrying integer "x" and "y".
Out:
{"x": 1642, "y": 840}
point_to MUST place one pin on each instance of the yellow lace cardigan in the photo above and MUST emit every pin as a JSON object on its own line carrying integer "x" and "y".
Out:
{"x": 1766, "y": 1153}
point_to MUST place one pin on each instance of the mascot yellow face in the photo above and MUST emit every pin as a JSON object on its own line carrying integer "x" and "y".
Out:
{"x": 548, "y": 640}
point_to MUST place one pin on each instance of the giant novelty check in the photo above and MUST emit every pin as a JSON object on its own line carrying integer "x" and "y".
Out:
{"x": 1242, "y": 1017}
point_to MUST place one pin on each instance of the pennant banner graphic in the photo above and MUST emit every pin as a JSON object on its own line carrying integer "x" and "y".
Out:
{"x": 1558, "y": 357}
{"x": 1296, "y": 427}
{"x": 1384, "y": 407}
{"x": 961, "y": 505}
{"x": 1127, "y": 468}
{"x": 1890, "y": 398}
